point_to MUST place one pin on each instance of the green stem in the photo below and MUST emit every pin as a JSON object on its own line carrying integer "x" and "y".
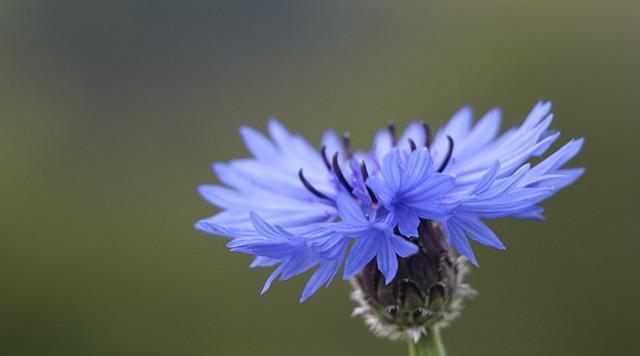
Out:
{"x": 428, "y": 345}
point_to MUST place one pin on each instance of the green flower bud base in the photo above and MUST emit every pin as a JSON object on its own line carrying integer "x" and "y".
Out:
{"x": 426, "y": 294}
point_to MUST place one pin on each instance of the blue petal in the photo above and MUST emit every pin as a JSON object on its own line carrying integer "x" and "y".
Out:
{"x": 219, "y": 196}
{"x": 329, "y": 244}
{"x": 259, "y": 146}
{"x": 279, "y": 133}
{"x": 402, "y": 247}
{"x": 480, "y": 232}
{"x": 298, "y": 264}
{"x": 507, "y": 204}
{"x": 533, "y": 213}
{"x": 419, "y": 167}
{"x": 333, "y": 144}
{"x": 560, "y": 157}
{"x": 412, "y": 191}
{"x": 381, "y": 189}
{"x": 548, "y": 172}
{"x": 479, "y": 137}
{"x": 387, "y": 259}
{"x": 211, "y": 228}
{"x": 261, "y": 261}
{"x": 362, "y": 252}
{"x": 382, "y": 145}
{"x": 487, "y": 180}
{"x": 564, "y": 178}
{"x": 459, "y": 241}
{"x": 266, "y": 229}
{"x": 270, "y": 280}
{"x": 350, "y": 211}
{"x": 325, "y": 273}
{"x": 391, "y": 170}
{"x": 408, "y": 222}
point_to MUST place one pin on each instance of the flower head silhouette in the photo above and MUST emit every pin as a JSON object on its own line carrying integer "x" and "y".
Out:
{"x": 298, "y": 208}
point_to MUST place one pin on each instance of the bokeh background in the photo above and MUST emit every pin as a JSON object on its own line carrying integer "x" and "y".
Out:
{"x": 112, "y": 112}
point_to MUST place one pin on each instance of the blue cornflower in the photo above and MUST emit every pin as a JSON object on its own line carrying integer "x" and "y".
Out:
{"x": 411, "y": 189}
{"x": 298, "y": 208}
{"x": 374, "y": 238}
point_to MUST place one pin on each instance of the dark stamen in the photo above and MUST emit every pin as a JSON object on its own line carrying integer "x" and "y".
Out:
{"x": 310, "y": 187}
{"x": 427, "y": 134}
{"x": 364, "y": 171}
{"x": 325, "y": 159}
{"x": 392, "y": 131}
{"x": 346, "y": 142}
{"x": 365, "y": 176}
{"x": 448, "y": 157}
{"x": 340, "y": 175}
{"x": 412, "y": 143}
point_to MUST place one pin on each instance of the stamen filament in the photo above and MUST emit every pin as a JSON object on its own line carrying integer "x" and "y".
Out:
{"x": 365, "y": 176}
{"x": 412, "y": 143}
{"x": 346, "y": 142}
{"x": 427, "y": 134}
{"x": 340, "y": 175}
{"x": 310, "y": 187}
{"x": 325, "y": 159}
{"x": 392, "y": 131}
{"x": 448, "y": 156}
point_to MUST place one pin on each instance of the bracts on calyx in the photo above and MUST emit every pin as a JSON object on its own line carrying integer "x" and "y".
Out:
{"x": 427, "y": 292}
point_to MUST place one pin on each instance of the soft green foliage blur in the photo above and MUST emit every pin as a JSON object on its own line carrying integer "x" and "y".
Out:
{"x": 112, "y": 112}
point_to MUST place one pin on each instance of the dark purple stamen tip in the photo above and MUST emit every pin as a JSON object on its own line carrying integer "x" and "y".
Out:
{"x": 392, "y": 131}
{"x": 427, "y": 134}
{"x": 340, "y": 175}
{"x": 365, "y": 176}
{"x": 325, "y": 159}
{"x": 412, "y": 143}
{"x": 310, "y": 187}
{"x": 364, "y": 171}
{"x": 346, "y": 142}
{"x": 448, "y": 156}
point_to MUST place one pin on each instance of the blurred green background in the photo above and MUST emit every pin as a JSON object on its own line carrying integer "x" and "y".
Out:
{"x": 112, "y": 112}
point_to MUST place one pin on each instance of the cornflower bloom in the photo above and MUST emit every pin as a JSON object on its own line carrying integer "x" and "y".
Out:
{"x": 390, "y": 214}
